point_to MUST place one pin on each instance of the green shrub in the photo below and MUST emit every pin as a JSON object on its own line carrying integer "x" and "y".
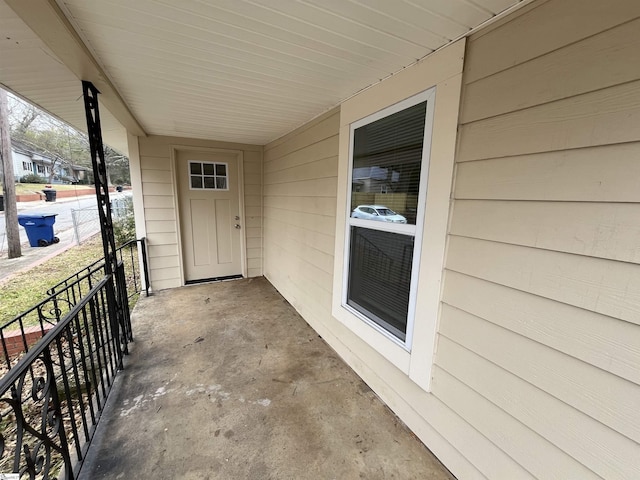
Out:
{"x": 68, "y": 179}
{"x": 124, "y": 225}
{"x": 32, "y": 178}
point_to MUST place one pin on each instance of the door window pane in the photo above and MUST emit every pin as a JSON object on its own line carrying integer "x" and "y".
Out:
{"x": 196, "y": 182}
{"x": 208, "y": 175}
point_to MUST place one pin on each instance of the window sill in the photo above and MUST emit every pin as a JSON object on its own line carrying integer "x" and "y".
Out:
{"x": 390, "y": 347}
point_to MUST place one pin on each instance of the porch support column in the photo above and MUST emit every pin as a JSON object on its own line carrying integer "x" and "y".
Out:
{"x": 94, "y": 131}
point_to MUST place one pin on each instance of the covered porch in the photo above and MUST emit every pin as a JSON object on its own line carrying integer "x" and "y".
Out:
{"x": 225, "y": 380}
{"x": 500, "y": 322}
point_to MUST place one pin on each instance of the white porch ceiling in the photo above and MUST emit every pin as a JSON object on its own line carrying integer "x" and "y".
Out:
{"x": 29, "y": 68}
{"x": 245, "y": 71}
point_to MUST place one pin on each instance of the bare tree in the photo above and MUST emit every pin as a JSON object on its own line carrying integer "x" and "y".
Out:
{"x": 29, "y": 114}
{"x": 61, "y": 143}
{"x": 8, "y": 181}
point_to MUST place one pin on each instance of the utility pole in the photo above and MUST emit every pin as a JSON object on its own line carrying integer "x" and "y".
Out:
{"x": 8, "y": 180}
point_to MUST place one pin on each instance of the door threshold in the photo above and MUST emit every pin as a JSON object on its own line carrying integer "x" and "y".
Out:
{"x": 213, "y": 279}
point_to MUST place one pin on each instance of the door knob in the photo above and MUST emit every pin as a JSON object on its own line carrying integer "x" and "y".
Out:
{"x": 237, "y": 217}
{"x": 238, "y": 226}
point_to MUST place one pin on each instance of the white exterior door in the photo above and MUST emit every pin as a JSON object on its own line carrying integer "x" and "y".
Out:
{"x": 211, "y": 224}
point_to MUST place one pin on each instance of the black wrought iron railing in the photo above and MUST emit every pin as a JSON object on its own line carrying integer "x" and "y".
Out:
{"x": 19, "y": 334}
{"x": 52, "y": 398}
{"x": 137, "y": 278}
{"x": 60, "y": 360}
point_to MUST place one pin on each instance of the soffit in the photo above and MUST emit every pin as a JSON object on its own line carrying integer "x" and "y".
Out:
{"x": 249, "y": 71}
{"x": 31, "y": 70}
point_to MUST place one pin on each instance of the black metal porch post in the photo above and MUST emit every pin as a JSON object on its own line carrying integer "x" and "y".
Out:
{"x": 94, "y": 132}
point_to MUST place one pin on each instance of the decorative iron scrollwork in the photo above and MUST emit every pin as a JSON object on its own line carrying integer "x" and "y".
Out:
{"x": 40, "y": 442}
{"x": 54, "y": 309}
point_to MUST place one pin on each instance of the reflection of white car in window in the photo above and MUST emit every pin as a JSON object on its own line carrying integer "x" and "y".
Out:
{"x": 379, "y": 213}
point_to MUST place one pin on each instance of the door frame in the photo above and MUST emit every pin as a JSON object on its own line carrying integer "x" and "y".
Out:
{"x": 175, "y": 150}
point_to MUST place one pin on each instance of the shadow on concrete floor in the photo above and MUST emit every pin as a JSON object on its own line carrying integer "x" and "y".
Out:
{"x": 226, "y": 381}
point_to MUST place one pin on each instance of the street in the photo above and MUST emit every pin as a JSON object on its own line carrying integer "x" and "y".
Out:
{"x": 64, "y": 220}
{"x": 63, "y": 228}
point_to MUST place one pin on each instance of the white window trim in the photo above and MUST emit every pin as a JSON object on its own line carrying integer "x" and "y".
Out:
{"x": 398, "y": 352}
{"x": 201, "y": 162}
{"x": 443, "y": 70}
{"x": 404, "y": 229}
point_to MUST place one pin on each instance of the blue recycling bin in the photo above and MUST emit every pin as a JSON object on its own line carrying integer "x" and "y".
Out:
{"x": 39, "y": 228}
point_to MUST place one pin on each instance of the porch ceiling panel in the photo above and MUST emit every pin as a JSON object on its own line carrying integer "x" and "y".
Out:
{"x": 30, "y": 69}
{"x": 250, "y": 71}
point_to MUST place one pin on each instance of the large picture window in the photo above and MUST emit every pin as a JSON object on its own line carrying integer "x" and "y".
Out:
{"x": 388, "y": 177}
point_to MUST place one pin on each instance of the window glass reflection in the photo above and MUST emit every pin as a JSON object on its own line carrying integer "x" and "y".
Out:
{"x": 387, "y": 158}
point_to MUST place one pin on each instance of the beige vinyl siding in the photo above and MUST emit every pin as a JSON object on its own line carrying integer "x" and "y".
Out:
{"x": 536, "y": 369}
{"x": 540, "y": 319}
{"x": 300, "y": 205}
{"x": 253, "y": 210}
{"x": 161, "y": 221}
{"x": 162, "y": 234}
{"x": 299, "y": 244}
{"x": 300, "y": 172}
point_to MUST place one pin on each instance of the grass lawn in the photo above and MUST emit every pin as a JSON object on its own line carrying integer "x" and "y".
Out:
{"x": 25, "y": 188}
{"x": 28, "y": 288}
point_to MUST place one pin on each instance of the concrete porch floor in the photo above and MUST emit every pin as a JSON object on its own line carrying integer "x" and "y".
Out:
{"x": 227, "y": 381}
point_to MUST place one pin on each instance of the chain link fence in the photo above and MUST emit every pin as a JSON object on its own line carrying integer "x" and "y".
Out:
{"x": 86, "y": 221}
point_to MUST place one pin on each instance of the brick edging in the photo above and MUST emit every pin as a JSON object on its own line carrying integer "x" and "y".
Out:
{"x": 14, "y": 340}
{"x": 34, "y": 197}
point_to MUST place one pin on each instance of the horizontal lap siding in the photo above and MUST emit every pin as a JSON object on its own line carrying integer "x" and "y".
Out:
{"x": 253, "y": 211}
{"x": 300, "y": 174}
{"x": 160, "y": 205}
{"x": 540, "y": 321}
{"x": 160, "y": 218}
{"x": 300, "y": 186}
{"x": 299, "y": 244}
